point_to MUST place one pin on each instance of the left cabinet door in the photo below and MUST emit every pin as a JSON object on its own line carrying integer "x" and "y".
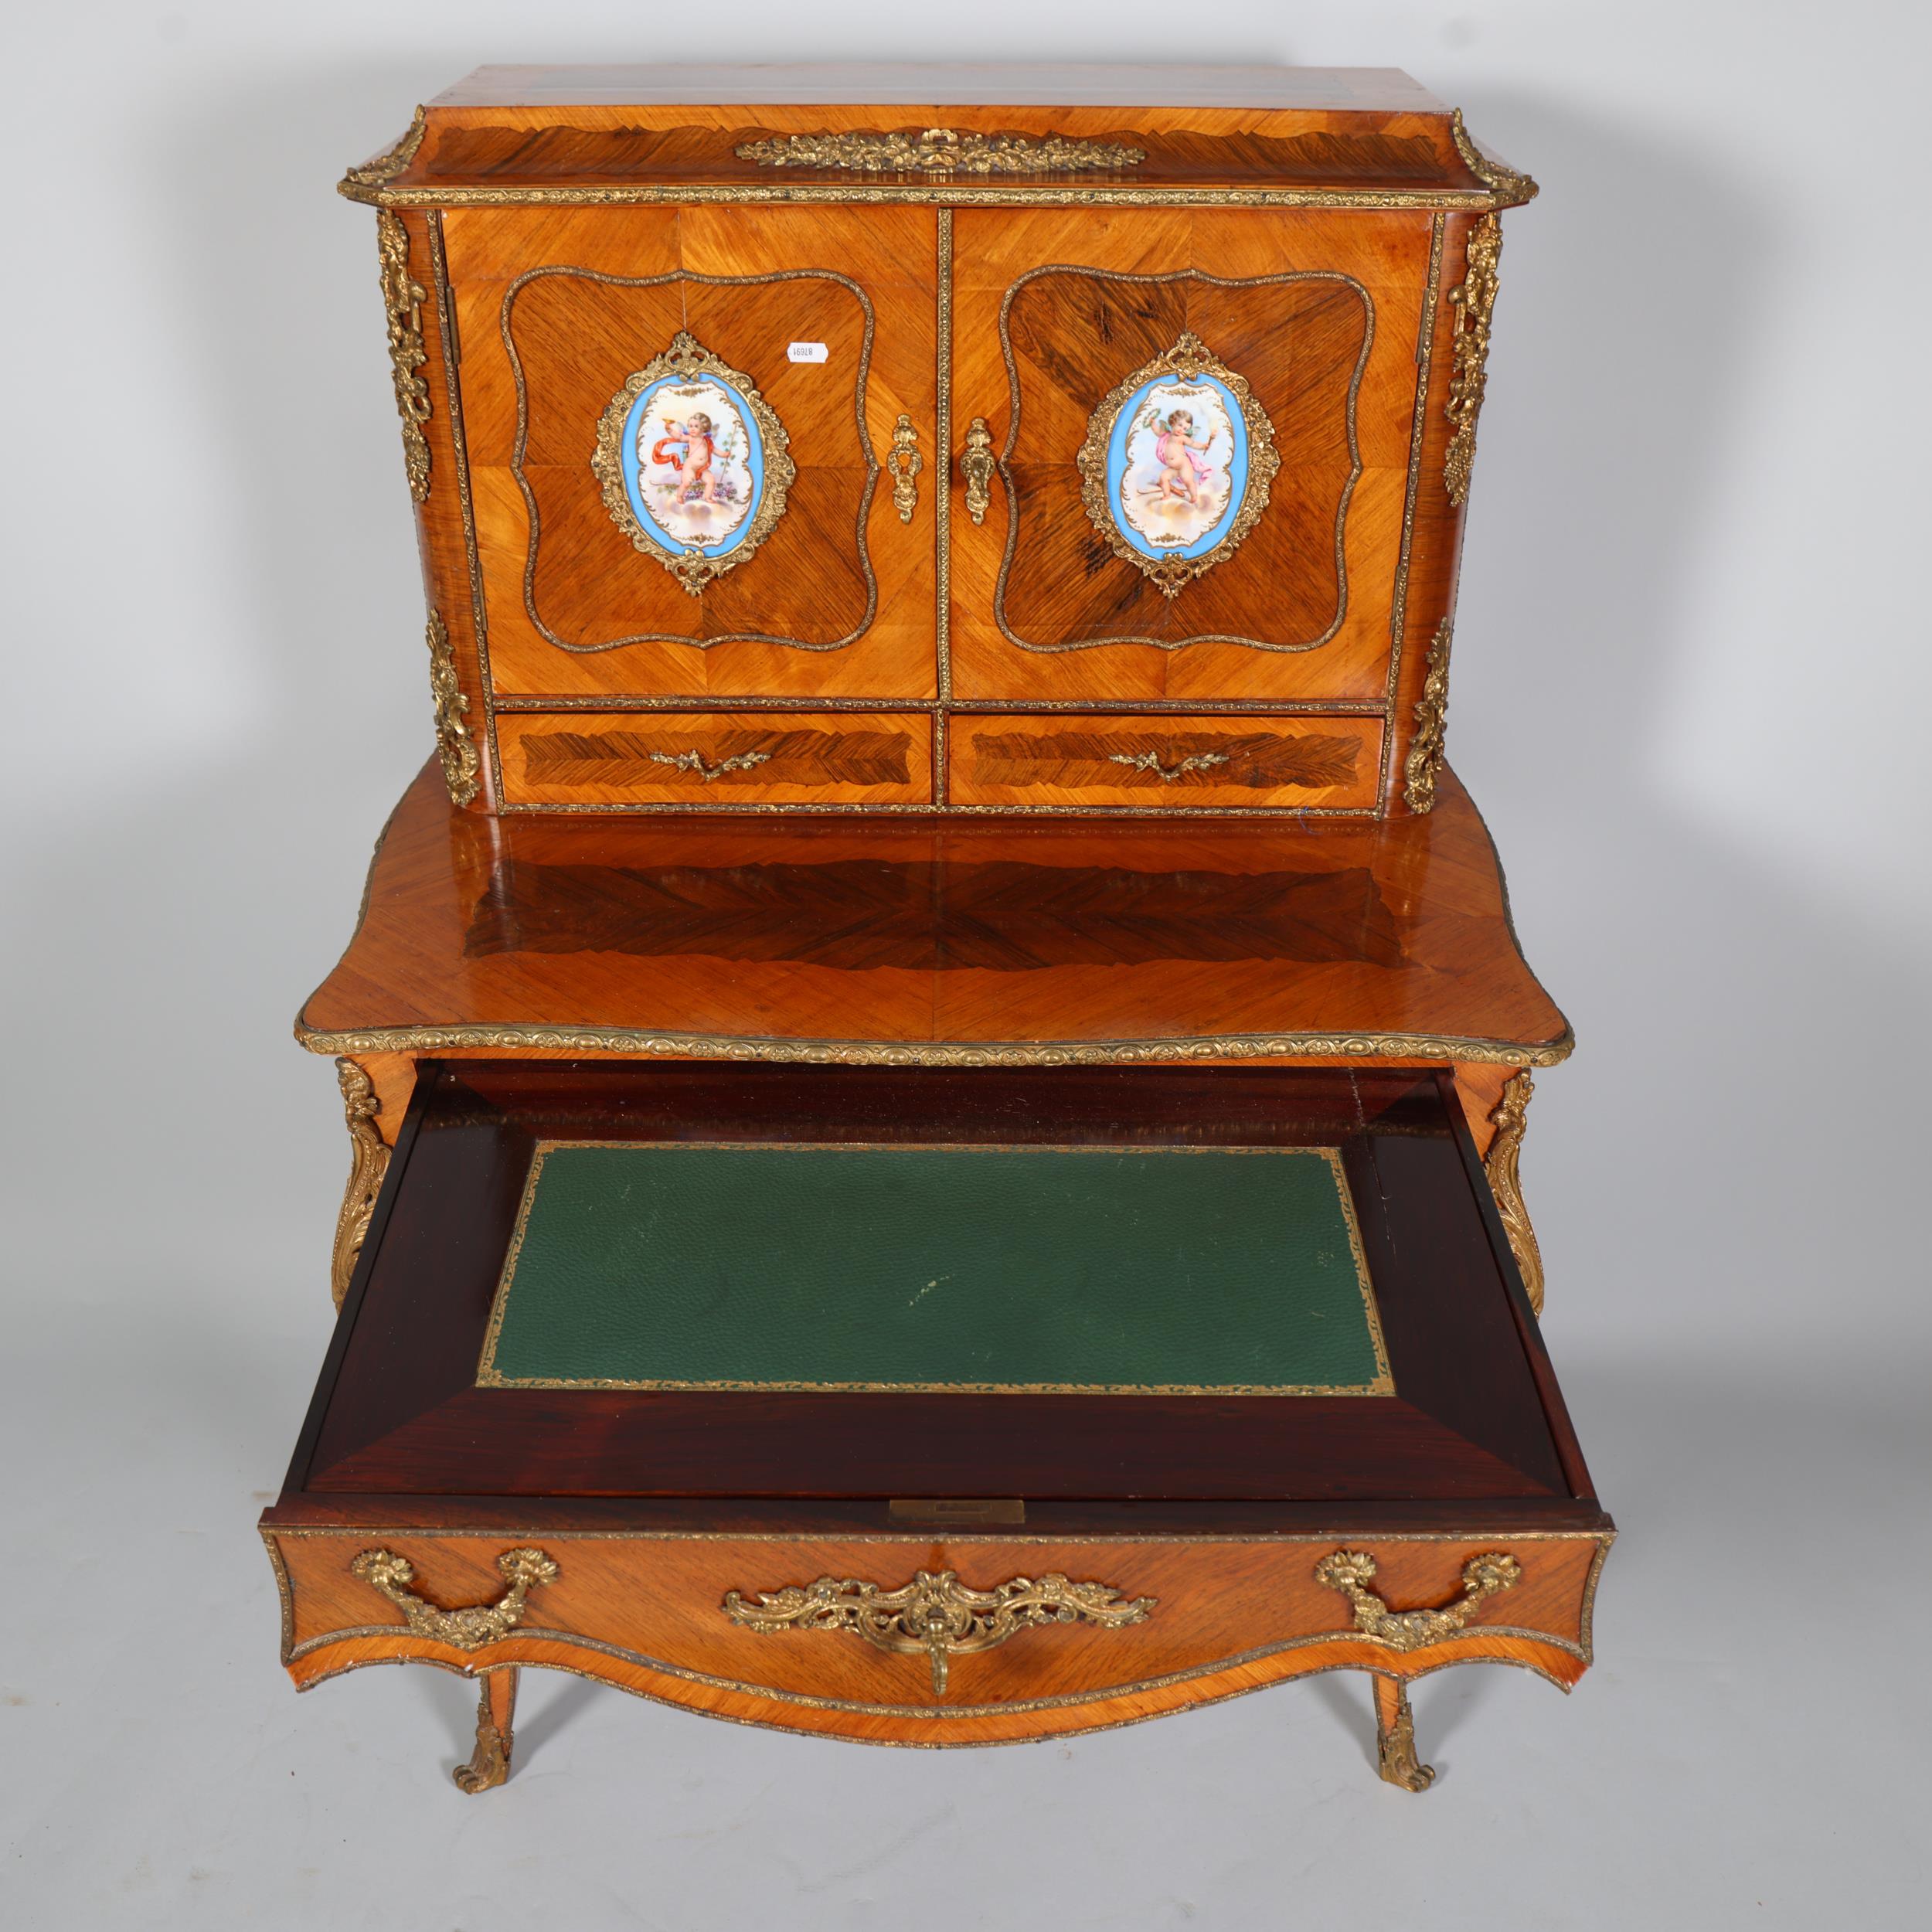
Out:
{"x": 680, "y": 425}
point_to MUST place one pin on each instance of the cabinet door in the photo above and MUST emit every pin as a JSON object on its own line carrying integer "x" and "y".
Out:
{"x": 680, "y": 426}
{"x": 1201, "y": 429}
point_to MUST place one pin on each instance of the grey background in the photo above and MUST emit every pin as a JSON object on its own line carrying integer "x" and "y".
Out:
{"x": 1690, "y": 693}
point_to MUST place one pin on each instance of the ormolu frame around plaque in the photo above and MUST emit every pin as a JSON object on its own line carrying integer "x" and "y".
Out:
{"x": 688, "y": 359}
{"x": 1382, "y": 1383}
{"x": 1190, "y": 359}
{"x": 1004, "y": 455}
{"x": 521, "y": 444}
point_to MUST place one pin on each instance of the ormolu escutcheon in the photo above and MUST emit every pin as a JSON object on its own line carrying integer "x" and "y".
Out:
{"x": 936, "y": 1614}
{"x": 976, "y": 465}
{"x": 905, "y": 462}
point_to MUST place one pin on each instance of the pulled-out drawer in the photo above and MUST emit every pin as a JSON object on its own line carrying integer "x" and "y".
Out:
{"x": 925, "y": 1407}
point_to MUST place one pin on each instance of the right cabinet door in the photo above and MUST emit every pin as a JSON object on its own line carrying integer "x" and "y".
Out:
{"x": 1199, "y": 454}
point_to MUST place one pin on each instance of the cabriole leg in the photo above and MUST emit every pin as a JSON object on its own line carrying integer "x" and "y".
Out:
{"x": 1395, "y": 1737}
{"x": 489, "y": 1764}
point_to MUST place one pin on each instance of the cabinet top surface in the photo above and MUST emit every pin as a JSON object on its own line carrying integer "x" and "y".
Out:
{"x": 891, "y": 83}
{"x": 984, "y": 940}
{"x": 1335, "y": 136}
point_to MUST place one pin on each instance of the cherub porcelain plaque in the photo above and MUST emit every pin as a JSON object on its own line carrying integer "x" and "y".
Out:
{"x": 693, "y": 462}
{"x": 1175, "y": 468}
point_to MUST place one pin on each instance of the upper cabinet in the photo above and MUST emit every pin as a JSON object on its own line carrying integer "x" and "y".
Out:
{"x": 874, "y": 446}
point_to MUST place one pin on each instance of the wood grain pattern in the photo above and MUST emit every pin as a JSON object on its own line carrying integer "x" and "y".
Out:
{"x": 538, "y": 127}
{"x": 578, "y": 338}
{"x": 1230, "y": 1616}
{"x": 1416, "y": 941}
{"x": 737, "y": 758}
{"x": 1173, "y": 763}
{"x": 1074, "y": 336}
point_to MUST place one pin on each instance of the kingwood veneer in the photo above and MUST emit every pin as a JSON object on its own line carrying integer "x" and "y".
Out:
{"x": 941, "y": 590}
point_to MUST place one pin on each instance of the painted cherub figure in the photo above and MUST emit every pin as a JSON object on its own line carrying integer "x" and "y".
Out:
{"x": 691, "y": 448}
{"x": 1178, "y": 452}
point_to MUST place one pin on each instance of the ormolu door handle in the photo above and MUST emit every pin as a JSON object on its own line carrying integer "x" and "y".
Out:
{"x": 976, "y": 465}
{"x": 905, "y": 462}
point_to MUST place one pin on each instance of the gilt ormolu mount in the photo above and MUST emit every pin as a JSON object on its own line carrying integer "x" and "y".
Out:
{"x": 940, "y": 620}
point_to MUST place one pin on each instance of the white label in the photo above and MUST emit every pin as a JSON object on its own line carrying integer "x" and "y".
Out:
{"x": 807, "y": 351}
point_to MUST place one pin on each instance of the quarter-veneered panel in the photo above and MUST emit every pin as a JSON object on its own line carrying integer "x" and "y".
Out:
{"x": 736, "y": 540}
{"x": 1203, "y": 435}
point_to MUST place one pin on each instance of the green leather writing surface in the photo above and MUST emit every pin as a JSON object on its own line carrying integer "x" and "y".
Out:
{"x": 1165, "y": 1270}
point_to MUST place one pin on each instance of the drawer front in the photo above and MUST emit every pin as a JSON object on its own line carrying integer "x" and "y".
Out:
{"x": 701, "y": 760}
{"x": 1164, "y": 763}
{"x": 1045, "y": 1636}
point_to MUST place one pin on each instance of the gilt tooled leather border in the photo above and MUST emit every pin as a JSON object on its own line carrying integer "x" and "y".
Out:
{"x": 1381, "y": 1383}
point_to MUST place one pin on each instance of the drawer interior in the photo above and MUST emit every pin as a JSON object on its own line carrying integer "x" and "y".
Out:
{"x": 608, "y": 1280}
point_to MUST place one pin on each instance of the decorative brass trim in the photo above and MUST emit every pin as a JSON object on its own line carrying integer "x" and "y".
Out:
{"x": 474, "y": 1625}
{"x": 1352, "y": 1571}
{"x": 939, "y": 150}
{"x": 1396, "y": 1759}
{"x": 385, "y": 167}
{"x": 976, "y": 465}
{"x": 1431, "y": 738}
{"x": 905, "y": 462}
{"x": 943, "y": 194}
{"x": 1189, "y": 358}
{"x": 454, "y": 746}
{"x": 936, "y": 1614}
{"x": 1510, "y": 188}
{"x": 1213, "y": 1046}
{"x": 1150, "y": 761}
{"x": 521, "y": 443}
{"x": 459, "y": 439}
{"x": 943, "y": 529}
{"x": 1012, "y": 438}
{"x": 1125, "y": 709}
{"x": 1511, "y": 1118}
{"x": 489, "y": 1764}
{"x": 694, "y": 761}
{"x": 368, "y": 1161}
{"x": 1474, "y": 302}
{"x": 402, "y": 299}
{"x": 687, "y": 359}
{"x": 1418, "y": 425}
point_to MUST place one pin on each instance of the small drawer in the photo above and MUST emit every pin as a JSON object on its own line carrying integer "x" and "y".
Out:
{"x": 1165, "y": 763}
{"x": 700, "y": 759}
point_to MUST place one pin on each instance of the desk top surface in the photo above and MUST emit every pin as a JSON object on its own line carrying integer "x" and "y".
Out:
{"x": 898, "y": 940}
